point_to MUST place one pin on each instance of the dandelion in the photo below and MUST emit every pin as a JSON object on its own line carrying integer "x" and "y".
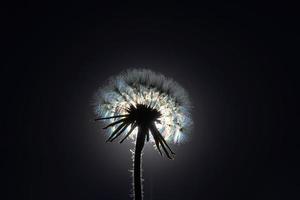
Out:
{"x": 142, "y": 105}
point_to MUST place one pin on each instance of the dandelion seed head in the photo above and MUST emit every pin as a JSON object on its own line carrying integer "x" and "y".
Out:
{"x": 143, "y": 86}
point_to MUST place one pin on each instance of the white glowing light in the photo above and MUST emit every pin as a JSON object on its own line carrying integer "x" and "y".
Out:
{"x": 141, "y": 86}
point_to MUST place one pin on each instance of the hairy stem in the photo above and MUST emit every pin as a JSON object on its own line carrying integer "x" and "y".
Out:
{"x": 137, "y": 177}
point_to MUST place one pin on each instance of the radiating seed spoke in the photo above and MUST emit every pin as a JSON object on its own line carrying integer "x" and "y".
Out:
{"x": 129, "y": 132}
{"x": 164, "y": 141}
{"x": 116, "y": 116}
{"x": 116, "y": 131}
{"x": 120, "y": 132}
{"x": 157, "y": 144}
{"x": 114, "y": 123}
{"x": 156, "y": 139}
{"x": 165, "y": 150}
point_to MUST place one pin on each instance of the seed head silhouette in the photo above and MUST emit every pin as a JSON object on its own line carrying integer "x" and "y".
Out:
{"x": 142, "y": 105}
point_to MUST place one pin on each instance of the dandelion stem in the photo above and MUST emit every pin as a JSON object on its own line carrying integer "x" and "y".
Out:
{"x": 137, "y": 177}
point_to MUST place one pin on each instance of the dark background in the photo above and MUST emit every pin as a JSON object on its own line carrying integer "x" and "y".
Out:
{"x": 238, "y": 63}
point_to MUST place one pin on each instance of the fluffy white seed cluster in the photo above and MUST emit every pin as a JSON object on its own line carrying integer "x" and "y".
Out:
{"x": 143, "y": 86}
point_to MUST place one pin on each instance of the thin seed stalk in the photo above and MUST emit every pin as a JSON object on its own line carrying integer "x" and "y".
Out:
{"x": 137, "y": 176}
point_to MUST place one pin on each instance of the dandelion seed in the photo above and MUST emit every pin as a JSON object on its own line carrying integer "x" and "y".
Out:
{"x": 139, "y": 103}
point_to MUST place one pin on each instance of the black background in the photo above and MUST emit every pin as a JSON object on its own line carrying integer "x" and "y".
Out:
{"x": 238, "y": 63}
